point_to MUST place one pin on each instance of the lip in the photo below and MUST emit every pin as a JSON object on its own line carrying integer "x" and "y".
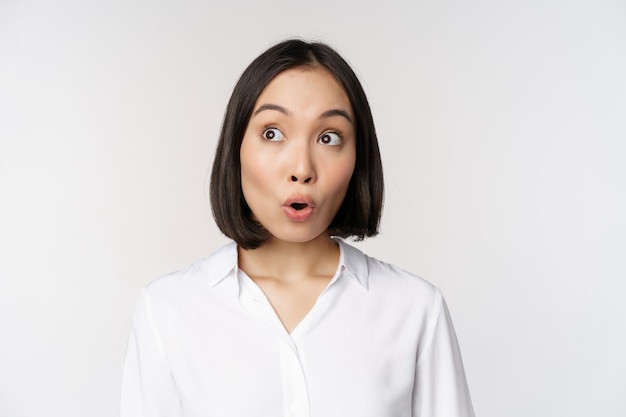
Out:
{"x": 302, "y": 214}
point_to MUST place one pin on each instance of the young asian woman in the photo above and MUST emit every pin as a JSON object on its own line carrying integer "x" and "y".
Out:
{"x": 288, "y": 319}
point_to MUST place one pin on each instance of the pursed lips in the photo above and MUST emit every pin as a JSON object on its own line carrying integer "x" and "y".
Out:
{"x": 298, "y": 207}
{"x": 299, "y": 202}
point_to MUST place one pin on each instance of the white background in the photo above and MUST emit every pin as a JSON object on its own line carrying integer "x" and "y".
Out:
{"x": 502, "y": 126}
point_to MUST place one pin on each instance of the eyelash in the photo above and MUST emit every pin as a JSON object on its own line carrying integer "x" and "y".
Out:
{"x": 268, "y": 128}
{"x": 332, "y": 132}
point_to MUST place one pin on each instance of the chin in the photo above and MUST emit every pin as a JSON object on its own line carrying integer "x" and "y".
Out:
{"x": 293, "y": 236}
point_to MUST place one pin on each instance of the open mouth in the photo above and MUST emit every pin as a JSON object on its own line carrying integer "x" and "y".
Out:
{"x": 298, "y": 206}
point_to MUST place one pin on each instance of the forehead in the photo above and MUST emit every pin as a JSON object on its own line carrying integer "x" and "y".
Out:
{"x": 302, "y": 89}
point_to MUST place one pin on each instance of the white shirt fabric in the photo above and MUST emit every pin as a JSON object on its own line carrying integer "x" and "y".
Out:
{"x": 205, "y": 342}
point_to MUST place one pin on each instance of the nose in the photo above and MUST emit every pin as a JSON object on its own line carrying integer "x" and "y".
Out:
{"x": 302, "y": 168}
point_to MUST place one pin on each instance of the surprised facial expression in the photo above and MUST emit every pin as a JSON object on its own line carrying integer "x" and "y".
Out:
{"x": 298, "y": 154}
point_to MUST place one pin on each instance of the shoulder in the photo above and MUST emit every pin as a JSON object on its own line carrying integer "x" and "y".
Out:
{"x": 175, "y": 301}
{"x": 393, "y": 280}
{"x": 387, "y": 279}
{"x": 202, "y": 273}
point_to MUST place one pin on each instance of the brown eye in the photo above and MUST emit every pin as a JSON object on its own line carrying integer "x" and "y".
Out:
{"x": 330, "y": 138}
{"x": 273, "y": 135}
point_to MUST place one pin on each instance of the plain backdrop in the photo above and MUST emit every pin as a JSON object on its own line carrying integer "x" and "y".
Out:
{"x": 502, "y": 126}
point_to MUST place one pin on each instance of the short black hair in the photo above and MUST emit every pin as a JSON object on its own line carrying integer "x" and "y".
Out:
{"x": 359, "y": 215}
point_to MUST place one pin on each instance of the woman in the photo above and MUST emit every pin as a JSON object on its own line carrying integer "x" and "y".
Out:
{"x": 288, "y": 319}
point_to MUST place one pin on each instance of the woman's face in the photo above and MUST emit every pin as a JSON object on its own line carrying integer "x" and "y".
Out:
{"x": 298, "y": 154}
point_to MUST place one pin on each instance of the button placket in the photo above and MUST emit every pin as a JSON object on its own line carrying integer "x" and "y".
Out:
{"x": 295, "y": 392}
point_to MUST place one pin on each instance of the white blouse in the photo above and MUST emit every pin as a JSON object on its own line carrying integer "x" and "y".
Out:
{"x": 378, "y": 342}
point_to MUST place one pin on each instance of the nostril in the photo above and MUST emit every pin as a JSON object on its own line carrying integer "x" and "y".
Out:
{"x": 307, "y": 180}
{"x": 293, "y": 178}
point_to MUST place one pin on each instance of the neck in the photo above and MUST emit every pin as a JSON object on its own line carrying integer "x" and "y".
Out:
{"x": 289, "y": 261}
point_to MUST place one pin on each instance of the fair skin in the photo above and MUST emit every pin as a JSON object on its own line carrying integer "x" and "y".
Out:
{"x": 297, "y": 157}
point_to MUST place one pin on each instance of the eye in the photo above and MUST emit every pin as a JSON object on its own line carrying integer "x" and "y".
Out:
{"x": 272, "y": 134}
{"x": 330, "y": 138}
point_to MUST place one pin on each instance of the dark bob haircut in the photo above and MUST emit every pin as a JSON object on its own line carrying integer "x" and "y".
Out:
{"x": 360, "y": 212}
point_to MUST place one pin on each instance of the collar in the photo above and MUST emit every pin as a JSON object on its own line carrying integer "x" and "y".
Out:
{"x": 354, "y": 261}
{"x": 221, "y": 263}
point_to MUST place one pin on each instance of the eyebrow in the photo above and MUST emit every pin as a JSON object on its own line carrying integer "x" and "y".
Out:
{"x": 281, "y": 109}
{"x": 336, "y": 112}
{"x": 270, "y": 106}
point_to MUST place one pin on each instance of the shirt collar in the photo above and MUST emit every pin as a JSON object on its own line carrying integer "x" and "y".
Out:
{"x": 221, "y": 263}
{"x": 354, "y": 261}
{"x": 224, "y": 261}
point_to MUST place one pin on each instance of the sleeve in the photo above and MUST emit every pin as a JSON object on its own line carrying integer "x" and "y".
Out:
{"x": 440, "y": 388}
{"x": 148, "y": 389}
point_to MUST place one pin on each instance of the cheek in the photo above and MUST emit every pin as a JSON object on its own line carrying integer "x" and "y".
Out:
{"x": 346, "y": 169}
{"x": 339, "y": 177}
{"x": 257, "y": 162}
{"x": 252, "y": 179}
